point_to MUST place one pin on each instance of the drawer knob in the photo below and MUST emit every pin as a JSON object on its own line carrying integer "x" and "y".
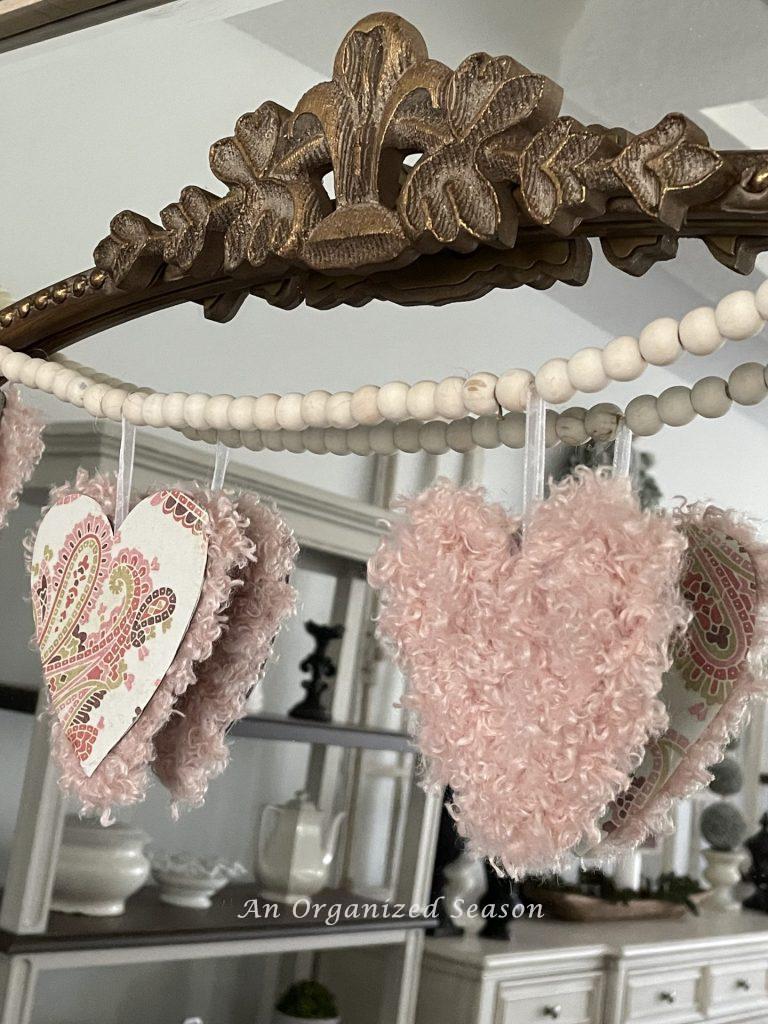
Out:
{"x": 743, "y": 984}
{"x": 553, "y": 1011}
{"x": 668, "y": 997}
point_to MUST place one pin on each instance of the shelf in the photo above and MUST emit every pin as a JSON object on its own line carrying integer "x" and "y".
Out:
{"x": 296, "y": 730}
{"x": 18, "y": 698}
{"x": 149, "y": 923}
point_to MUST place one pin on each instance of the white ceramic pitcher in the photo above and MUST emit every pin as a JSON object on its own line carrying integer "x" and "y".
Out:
{"x": 297, "y": 844}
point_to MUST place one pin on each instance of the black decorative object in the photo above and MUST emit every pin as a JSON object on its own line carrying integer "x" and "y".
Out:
{"x": 322, "y": 668}
{"x": 758, "y": 873}
{"x": 496, "y": 906}
{"x": 449, "y": 849}
{"x": 595, "y": 454}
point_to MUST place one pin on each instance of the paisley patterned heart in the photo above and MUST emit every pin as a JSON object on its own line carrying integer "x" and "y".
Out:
{"x": 718, "y": 669}
{"x": 533, "y": 671}
{"x": 111, "y": 610}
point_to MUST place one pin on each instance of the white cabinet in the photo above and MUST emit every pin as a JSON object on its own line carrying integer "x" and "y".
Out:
{"x": 712, "y": 970}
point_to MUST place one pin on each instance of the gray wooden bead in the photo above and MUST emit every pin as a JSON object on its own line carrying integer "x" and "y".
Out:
{"x": 512, "y": 430}
{"x": 570, "y": 426}
{"x": 746, "y": 385}
{"x": 485, "y": 431}
{"x": 674, "y": 406}
{"x": 602, "y": 421}
{"x": 642, "y": 416}
{"x": 710, "y": 398}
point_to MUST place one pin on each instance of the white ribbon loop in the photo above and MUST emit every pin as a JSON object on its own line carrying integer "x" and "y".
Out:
{"x": 124, "y": 472}
{"x": 622, "y": 450}
{"x": 535, "y": 452}
{"x": 220, "y": 466}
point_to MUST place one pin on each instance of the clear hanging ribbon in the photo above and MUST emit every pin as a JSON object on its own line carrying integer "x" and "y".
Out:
{"x": 535, "y": 450}
{"x": 220, "y": 466}
{"x": 124, "y": 472}
{"x": 622, "y": 450}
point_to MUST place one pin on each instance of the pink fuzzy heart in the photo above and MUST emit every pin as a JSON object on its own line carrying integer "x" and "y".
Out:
{"x": 108, "y": 624}
{"x": 532, "y": 673}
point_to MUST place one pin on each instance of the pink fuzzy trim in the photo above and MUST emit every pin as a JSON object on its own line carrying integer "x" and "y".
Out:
{"x": 692, "y": 775}
{"x": 21, "y": 447}
{"x": 192, "y": 747}
{"x": 533, "y": 674}
{"x": 122, "y": 778}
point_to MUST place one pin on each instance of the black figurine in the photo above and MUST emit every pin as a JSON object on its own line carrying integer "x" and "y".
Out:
{"x": 322, "y": 668}
{"x": 449, "y": 849}
{"x": 758, "y": 873}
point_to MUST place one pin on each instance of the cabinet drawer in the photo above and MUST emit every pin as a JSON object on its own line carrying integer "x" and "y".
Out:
{"x": 741, "y": 985}
{"x": 664, "y": 997}
{"x": 573, "y": 1000}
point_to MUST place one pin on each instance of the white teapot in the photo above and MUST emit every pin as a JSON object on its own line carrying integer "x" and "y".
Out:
{"x": 296, "y": 848}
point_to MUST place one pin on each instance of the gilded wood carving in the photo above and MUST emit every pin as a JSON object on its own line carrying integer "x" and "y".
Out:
{"x": 446, "y": 183}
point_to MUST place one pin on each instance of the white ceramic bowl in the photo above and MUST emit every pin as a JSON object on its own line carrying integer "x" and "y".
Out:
{"x": 187, "y": 881}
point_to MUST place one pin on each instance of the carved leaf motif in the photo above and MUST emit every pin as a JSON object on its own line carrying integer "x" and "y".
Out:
{"x": 669, "y": 158}
{"x": 550, "y": 166}
{"x": 249, "y": 154}
{"x": 486, "y": 95}
{"x": 186, "y": 224}
{"x": 306, "y": 147}
{"x": 131, "y": 254}
{"x": 271, "y": 218}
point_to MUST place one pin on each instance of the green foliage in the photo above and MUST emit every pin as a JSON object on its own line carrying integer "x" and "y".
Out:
{"x": 308, "y": 1000}
{"x": 670, "y": 888}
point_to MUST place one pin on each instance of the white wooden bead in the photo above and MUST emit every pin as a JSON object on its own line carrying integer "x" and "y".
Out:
{"x": 29, "y": 371}
{"x": 273, "y": 440}
{"x": 4, "y": 351}
{"x": 293, "y": 441}
{"x": 173, "y": 409}
{"x": 61, "y": 381}
{"x": 217, "y": 411}
{"x": 133, "y": 409}
{"x": 264, "y": 412}
{"x": 459, "y": 435}
{"x": 45, "y": 376}
{"x": 241, "y": 413}
{"x": 642, "y": 416}
{"x": 512, "y": 389}
{"x": 746, "y": 385}
{"x": 93, "y": 397}
{"x": 433, "y": 437}
{"x": 392, "y": 401}
{"x": 552, "y": 382}
{"x": 314, "y": 440}
{"x": 485, "y": 431}
{"x": 570, "y": 426}
{"x": 622, "y": 360}
{"x": 359, "y": 441}
{"x": 659, "y": 343}
{"x": 479, "y": 393}
{"x": 336, "y": 441}
{"x": 76, "y": 390}
{"x": 421, "y": 401}
{"x": 13, "y": 364}
{"x": 550, "y": 428}
{"x": 112, "y": 403}
{"x": 761, "y": 300}
{"x": 737, "y": 316}
{"x": 288, "y": 411}
{"x": 233, "y": 438}
{"x": 340, "y": 410}
{"x": 602, "y": 421}
{"x": 406, "y": 436}
{"x": 194, "y": 410}
{"x": 252, "y": 440}
{"x": 382, "y": 439}
{"x": 363, "y": 406}
{"x": 512, "y": 430}
{"x": 153, "y": 409}
{"x": 710, "y": 398}
{"x": 585, "y": 370}
{"x": 674, "y": 406}
{"x": 698, "y": 332}
{"x": 449, "y": 398}
{"x": 314, "y": 408}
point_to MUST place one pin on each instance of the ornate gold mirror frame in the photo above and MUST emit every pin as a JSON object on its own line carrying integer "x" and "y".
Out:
{"x": 447, "y": 184}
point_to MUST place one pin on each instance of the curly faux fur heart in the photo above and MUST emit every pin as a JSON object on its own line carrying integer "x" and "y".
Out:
{"x": 532, "y": 672}
{"x": 244, "y": 600}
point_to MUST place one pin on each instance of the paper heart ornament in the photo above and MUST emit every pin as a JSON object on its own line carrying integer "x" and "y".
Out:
{"x": 719, "y": 667}
{"x": 21, "y": 446}
{"x": 112, "y": 609}
{"x": 532, "y": 672}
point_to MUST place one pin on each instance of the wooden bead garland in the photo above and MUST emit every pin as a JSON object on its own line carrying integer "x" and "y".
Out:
{"x": 659, "y": 342}
{"x": 737, "y": 316}
{"x": 710, "y": 398}
{"x": 699, "y": 333}
{"x": 746, "y": 384}
{"x": 674, "y": 406}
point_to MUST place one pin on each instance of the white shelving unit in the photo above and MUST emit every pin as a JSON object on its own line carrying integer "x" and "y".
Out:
{"x": 332, "y": 531}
